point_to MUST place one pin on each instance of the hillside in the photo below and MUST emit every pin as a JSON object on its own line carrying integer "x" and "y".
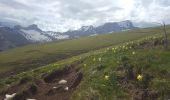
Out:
{"x": 137, "y": 70}
{"x": 32, "y": 56}
{"x": 84, "y": 50}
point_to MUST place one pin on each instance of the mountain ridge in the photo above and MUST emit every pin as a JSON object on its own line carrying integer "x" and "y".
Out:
{"x": 33, "y": 34}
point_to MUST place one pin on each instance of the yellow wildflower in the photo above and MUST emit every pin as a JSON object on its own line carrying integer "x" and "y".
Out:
{"x": 139, "y": 77}
{"x": 94, "y": 59}
{"x": 106, "y": 77}
{"x": 85, "y": 65}
{"x": 100, "y": 59}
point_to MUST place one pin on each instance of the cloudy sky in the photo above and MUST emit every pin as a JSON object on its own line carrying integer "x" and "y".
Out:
{"x": 63, "y": 15}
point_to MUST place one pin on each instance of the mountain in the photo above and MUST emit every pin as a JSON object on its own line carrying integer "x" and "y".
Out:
{"x": 11, "y": 37}
{"x": 33, "y": 34}
{"x": 20, "y": 36}
{"x": 102, "y": 29}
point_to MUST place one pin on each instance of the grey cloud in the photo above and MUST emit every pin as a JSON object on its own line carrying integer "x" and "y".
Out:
{"x": 164, "y": 3}
{"x": 14, "y": 4}
{"x": 62, "y": 15}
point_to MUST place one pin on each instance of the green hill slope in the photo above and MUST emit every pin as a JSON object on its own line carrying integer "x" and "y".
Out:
{"x": 32, "y": 56}
{"x": 108, "y": 74}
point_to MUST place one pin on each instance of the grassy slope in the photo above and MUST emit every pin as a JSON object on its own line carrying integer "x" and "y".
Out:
{"x": 28, "y": 57}
{"x": 155, "y": 61}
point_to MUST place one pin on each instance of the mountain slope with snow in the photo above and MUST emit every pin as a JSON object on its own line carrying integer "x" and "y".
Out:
{"x": 33, "y": 34}
{"x": 56, "y": 35}
{"x": 102, "y": 29}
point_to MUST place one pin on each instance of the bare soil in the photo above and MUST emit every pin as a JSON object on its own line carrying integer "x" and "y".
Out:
{"x": 47, "y": 88}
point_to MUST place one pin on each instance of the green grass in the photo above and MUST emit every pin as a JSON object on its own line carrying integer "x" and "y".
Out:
{"x": 154, "y": 61}
{"x": 33, "y": 56}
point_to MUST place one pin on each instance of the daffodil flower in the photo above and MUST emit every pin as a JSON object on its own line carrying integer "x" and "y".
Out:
{"x": 106, "y": 77}
{"x": 94, "y": 59}
{"x": 139, "y": 77}
{"x": 85, "y": 65}
{"x": 100, "y": 59}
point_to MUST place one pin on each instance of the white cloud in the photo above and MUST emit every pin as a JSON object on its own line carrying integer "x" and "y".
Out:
{"x": 63, "y": 15}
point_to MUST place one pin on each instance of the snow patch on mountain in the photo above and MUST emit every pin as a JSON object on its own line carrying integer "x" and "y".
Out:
{"x": 93, "y": 34}
{"x": 60, "y": 37}
{"x": 35, "y": 36}
{"x": 125, "y": 24}
{"x": 57, "y": 35}
{"x": 86, "y": 28}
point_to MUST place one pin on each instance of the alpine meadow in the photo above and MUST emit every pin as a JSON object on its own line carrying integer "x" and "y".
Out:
{"x": 84, "y": 50}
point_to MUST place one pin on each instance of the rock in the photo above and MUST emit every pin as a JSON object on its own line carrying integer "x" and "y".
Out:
{"x": 62, "y": 82}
